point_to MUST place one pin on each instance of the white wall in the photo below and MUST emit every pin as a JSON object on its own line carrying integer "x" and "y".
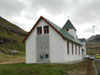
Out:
{"x": 31, "y": 48}
{"x": 57, "y": 45}
{"x": 58, "y": 49}
{"x": 72, "y": 57}
{"x": 31, "y": 45}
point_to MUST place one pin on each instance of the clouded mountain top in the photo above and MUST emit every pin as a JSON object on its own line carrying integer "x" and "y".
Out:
{"x": 11, "y": 36}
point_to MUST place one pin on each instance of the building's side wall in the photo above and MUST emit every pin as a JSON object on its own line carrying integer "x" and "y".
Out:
{"x": 57, "y": 45}
{"x": 72, "y": 57}
{"x": 31, "y": 52}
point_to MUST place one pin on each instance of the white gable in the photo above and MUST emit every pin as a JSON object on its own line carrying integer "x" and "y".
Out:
{"x": 31, "y": 44}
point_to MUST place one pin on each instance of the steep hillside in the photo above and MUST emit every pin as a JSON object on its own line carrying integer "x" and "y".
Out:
{"x": 11, "y": 36}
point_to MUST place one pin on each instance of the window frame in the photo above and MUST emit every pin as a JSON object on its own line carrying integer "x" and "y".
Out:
{"x": 46, "y": 56}
{"x": 67, "y": 29}
{"x": 68, "y": 47}
{"x": 39, "y": 30}
{"x": 72, "y": 49}
{"x": 76, "y": 49}
{"x": 46, "y": 29}
{"x": 79, "y": 50}
{"x": 41, "y": 56}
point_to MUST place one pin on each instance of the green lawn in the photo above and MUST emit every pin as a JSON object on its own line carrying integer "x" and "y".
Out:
{"x": 15, "y": 65}
{"x": 44, "y": 69}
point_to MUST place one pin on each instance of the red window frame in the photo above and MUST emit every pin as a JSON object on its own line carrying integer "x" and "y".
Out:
{"x": 67, "y": 47}
{"x": 39, "y": 30}
{"x": 46, "y": 29}
{"x": 72, "y": 49}
{"x": 76, "y": 49}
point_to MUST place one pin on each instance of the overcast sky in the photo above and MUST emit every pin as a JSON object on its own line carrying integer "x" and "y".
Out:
{"x": 84, "y": 14}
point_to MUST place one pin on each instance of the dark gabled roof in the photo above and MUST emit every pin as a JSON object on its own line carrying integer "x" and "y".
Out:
{"x": 82, "y": 39}
{"x": 60, "y": 31}
{"x": 68, "y": 25}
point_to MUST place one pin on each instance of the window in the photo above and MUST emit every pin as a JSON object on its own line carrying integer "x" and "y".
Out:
{"x": 67, "y": 47}
{"x": 41, "y": 56}
{"x": 67, "y": 29}
{"x": 46, "y": 56}
{"x": 46, "y": 29}
{"x": 72, "y": 48}
{"x": 76, "y": 49}
{"x": 79, "y": 50}
{"x": 39, "y": 30}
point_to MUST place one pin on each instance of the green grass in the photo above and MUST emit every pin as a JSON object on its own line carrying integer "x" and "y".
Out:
{"x": 43, "y": 69}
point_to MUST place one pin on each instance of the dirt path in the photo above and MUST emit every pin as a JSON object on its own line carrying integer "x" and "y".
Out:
{"x": 90, "y": 68}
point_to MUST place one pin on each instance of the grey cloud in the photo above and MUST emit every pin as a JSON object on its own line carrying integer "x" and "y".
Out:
{"x": 81, "y": 12}
{"x": 87, "y": 11}
{"x": 11, "y": 7}
{"x": 51, "y": 6}
{"x": 90, "y": 30}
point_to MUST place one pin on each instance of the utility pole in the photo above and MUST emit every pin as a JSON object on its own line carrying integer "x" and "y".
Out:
{"x": 94, "y": 41}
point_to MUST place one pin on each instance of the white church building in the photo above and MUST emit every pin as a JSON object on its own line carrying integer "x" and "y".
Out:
{"x": 48, "y": 43}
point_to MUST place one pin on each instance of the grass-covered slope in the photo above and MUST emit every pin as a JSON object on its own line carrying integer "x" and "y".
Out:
{"x": 82, "y": 68}
{"x": 11, "y": 36}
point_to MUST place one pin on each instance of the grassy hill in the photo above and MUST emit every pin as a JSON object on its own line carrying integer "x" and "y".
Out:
{"x": 11, "y": 36}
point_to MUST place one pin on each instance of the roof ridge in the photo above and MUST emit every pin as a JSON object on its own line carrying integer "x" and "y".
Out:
{"x": 52, "y": 22}
{"x": 60, "y": 31}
